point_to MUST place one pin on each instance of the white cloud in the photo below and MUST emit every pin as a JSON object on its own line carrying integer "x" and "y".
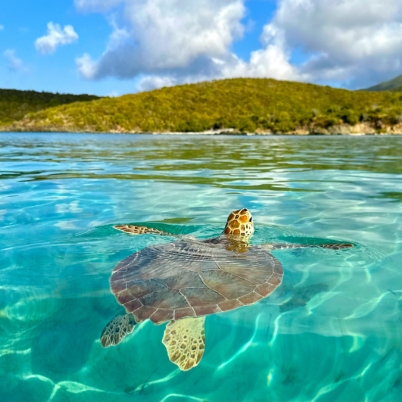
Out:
{"x": 150, "y": 82}
{"x": 55, "y": 37}
{"x": 167, "y": 42}
{"x": 272, "y": 61}
{"x": 354, "y": 40}
{"x": 166, "y": 36}
{"x": 86, "y": 66}
{"x": 13, "y": 62}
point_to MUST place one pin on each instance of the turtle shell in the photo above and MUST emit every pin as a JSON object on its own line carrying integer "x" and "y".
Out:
{"x": 192, "y": 278}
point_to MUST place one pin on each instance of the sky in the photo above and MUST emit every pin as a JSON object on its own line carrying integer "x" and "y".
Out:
{"x": 114, "y": 47}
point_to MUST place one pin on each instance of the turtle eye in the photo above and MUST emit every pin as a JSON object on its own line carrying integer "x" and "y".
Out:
{"x": 251, "y": 219}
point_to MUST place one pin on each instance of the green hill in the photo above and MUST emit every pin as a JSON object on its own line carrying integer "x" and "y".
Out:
{"x": 14, "y": 105}
{"x": 245, "y": 105}
{"x": 392, "y": 85}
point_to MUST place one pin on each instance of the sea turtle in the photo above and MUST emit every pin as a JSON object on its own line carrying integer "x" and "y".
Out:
{"x": 183, "y": 281}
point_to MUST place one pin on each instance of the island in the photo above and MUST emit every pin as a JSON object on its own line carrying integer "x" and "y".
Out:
{"x": 259, "y": 106}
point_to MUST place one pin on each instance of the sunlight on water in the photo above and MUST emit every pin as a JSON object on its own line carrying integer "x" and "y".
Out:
{"x": 331, "y": 331}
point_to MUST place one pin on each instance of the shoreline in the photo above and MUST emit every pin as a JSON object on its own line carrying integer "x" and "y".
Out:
{"x": 360, "y": 129}
{"x": 208, "y": 133}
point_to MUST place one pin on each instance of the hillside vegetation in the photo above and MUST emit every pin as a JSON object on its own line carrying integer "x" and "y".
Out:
{"x": 14, "y": 105}
{"x": 392, "y": 85}
{"x": 245, "y": 105}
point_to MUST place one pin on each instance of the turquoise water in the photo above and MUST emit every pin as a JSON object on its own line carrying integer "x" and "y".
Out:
{"x": 331, "y": 331}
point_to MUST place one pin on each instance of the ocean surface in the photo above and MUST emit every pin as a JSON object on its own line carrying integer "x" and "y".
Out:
{"x": 331, "y": 332}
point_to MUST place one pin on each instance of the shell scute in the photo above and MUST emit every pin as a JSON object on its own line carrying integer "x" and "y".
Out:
{"x": 265, "y": 289}
{"x": 184, "y": 312}
{"x": 143, "y": 313}
{"x": 206, "y": 310}
{"x": 187, "y": 279}
{"x": 275, "y": 279}
{"x": 250, "y": 298}
{"x": 162, "y": 315}
{"x": 118, "y": 285}
{"x": 200, "y": 297}
{"x": 256, "y": 272}
{"x": 140, "y": 288}
{"x": 230, "y": 305}
{"x": 226, "y": 284}
{"x": 132, "y": 305}
{"x": 124, "y": 296}
{"x": 167, "y": 298}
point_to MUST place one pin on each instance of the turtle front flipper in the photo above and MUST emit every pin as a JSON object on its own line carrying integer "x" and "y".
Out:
{"x": 185, "y": 342}
{"x": 117, "y": 329}
{"x": 138, "y": 230}
{"x": 335, "y": 246}
{"x": 281, "y": 246}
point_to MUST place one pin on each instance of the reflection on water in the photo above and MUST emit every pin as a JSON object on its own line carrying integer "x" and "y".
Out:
{"x": 332, "y": 331}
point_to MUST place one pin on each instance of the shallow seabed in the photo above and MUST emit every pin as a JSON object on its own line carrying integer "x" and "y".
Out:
{"x": 332, "y": 331}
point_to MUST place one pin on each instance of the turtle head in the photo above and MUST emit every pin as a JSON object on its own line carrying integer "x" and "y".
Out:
{"x": 239, "y": 225}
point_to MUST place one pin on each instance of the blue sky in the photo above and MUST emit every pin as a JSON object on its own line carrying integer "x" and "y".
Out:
{"x": 113, "y": 47}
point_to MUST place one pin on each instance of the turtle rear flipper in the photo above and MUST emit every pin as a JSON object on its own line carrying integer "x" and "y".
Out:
{"x": 282, "y": 246}
{"x": 185, "y": 342}
{"x": 138, "y": 230}
{"x": 117, "y": 329}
